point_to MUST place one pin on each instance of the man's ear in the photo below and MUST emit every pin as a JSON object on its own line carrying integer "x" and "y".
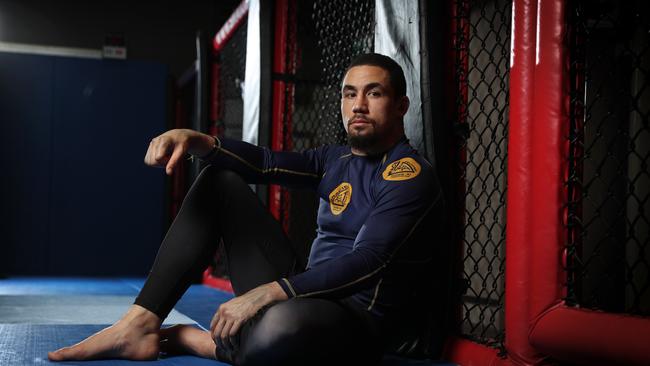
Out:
{"x": 403, "y": 105}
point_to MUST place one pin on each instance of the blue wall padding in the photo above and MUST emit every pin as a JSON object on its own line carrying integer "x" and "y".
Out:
{"x": 76, "y": 196}
{"x": 25, "y": 128}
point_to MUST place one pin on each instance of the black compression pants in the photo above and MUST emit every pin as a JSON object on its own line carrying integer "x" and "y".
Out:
{"x": 305, "y": 331}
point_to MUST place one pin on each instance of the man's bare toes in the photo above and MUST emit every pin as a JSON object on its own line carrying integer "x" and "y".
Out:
{"x": 112, "y": 342}
{"x": 79, "y": 351}
{"x": 58, "y": 355}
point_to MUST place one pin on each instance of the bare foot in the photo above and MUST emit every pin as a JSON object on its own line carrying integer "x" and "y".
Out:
{"x": 184, "y": 339}
{"x": 134, "y": 337}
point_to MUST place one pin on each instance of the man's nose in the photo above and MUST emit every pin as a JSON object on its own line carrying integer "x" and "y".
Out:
{"x": 360, "y": 104}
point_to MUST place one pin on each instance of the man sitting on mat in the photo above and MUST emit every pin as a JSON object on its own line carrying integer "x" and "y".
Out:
{"x": 380, "y": 203}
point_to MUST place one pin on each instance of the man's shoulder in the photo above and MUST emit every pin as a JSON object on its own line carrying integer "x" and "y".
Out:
{"x": 404, "y": 162}
{"x": 407, "y": 175}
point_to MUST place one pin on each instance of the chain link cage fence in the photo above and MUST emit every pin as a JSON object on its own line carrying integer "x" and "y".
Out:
{"x": 481, "y": 33}
{"x": 231, "y": 61}
{"x": 608, "y": 185}
{"x": 232, "y": 66}
{"x": 328, "y": 35}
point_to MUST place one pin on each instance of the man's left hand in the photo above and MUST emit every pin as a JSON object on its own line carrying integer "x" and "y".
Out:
{"x": 230, "y": 316}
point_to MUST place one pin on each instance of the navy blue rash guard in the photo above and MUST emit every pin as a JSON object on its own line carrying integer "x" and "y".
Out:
{"x": 366, "y": 250}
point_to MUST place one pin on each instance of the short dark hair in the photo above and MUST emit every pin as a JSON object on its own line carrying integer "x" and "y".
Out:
{"x": 395, "y": 72}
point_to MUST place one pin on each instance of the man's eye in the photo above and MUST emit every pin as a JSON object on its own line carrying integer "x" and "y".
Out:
{"x": 349, "y": 95}
{"x": 374, "y": 93}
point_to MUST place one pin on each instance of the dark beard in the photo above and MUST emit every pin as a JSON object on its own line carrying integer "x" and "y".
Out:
{"x": 363, "y": 143}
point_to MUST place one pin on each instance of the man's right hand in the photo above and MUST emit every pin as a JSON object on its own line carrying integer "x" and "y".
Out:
{"x": 167, "y": 149}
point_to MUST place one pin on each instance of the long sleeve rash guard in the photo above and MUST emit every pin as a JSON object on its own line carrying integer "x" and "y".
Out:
{"x": 372, "y": 236}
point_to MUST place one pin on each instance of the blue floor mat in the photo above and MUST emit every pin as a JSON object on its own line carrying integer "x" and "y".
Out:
{"x": 26, "y": 336}
{"x": 72, "y": 309}
{"x": 38, "y": 315}
{"x": 27, "y": 344}
{"x": 200, "y": 303}
{"x": 69, "y": 286}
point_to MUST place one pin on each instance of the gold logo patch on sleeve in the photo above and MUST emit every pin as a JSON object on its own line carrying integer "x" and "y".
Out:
{"x": 340, "y": 197}
{"x": 402, "y": 169}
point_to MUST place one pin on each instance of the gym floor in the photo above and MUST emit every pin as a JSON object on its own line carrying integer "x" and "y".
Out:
{"x": 39, "y": 314}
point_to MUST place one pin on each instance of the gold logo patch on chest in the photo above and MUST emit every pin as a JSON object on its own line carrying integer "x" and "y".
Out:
{"x": 340, "y": 197}
{"x": 402, "y": 169}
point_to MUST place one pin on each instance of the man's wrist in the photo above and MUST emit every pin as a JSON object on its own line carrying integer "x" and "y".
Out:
{"x": 210, "y": 146}
{"x": 275, "y": 291}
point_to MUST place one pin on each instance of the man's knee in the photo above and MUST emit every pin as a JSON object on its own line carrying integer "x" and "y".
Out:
{"x": 271, "y": 340}
{"x": 290, "y": 334}
{"x": 224, "y": 183}
{"x": 216, "y": 175}
{"x": 214, "y": 187}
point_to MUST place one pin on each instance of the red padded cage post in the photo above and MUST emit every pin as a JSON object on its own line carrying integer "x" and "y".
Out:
{"x": 518, "y": 230}
{"x": 284, "y": 57}
{"x": 566, "y": 333}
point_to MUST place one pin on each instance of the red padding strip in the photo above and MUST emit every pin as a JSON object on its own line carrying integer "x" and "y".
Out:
{"x": 467, "y": 353}
{"x": 591, "y": 337}
{"x": 230, "y": 26}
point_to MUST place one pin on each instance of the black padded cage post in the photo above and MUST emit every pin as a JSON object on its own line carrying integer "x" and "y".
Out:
{"x": 201, "y": 93}
{"x": 191, "y": 94}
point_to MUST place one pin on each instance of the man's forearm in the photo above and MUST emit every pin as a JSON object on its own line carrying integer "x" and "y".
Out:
{"x": 261, "y": 165}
